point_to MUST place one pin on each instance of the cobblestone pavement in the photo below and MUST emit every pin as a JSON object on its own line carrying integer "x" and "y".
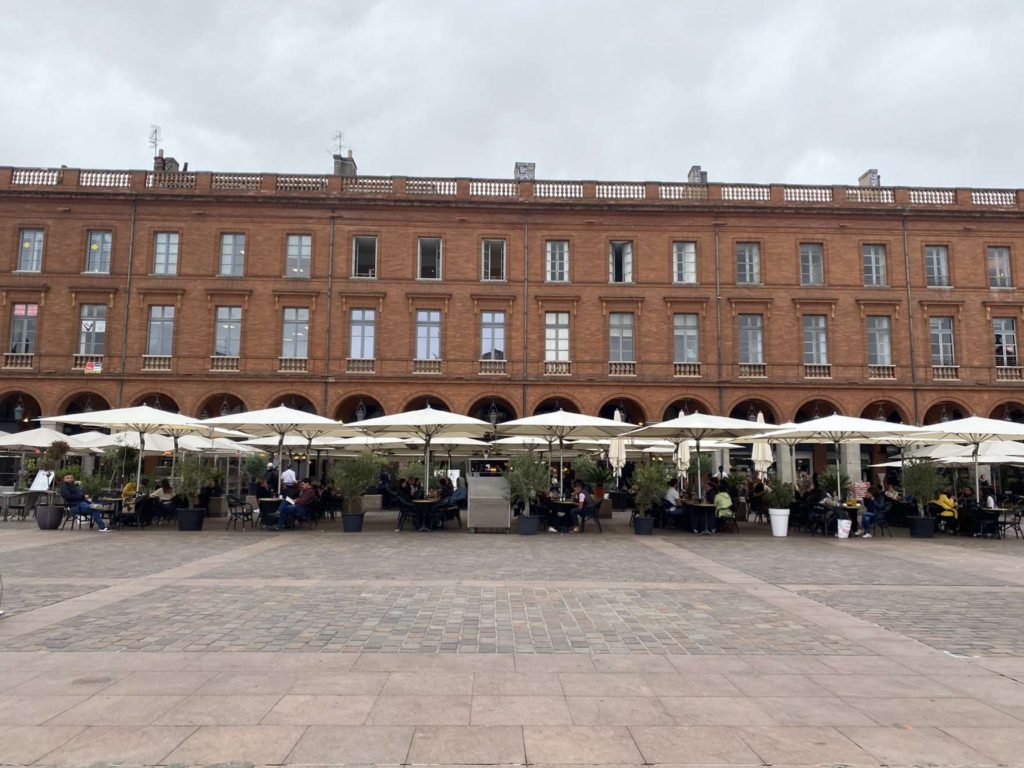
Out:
{"x": 316, "y": 648}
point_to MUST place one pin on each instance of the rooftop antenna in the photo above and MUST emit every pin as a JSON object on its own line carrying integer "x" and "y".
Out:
{"x": 154, "y": 138}
{"x": 339, "y": 146}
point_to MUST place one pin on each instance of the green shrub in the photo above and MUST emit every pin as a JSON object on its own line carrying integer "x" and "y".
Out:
{"x": 650, "y": 481}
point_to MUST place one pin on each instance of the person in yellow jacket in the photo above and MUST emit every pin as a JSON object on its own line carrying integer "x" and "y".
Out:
{"x": 946, "y": 503}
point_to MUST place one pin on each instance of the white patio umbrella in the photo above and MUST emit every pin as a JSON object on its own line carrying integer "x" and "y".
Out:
{"x": 761, "y": 450}
{"x": 698, "y": 427}
{"x": 427, "y": 424}
{"x": 563, "y": 425}
{"x": 40, "y": 438}
{"x": 838, "y": 430}
{"x": 617, "y": 451}
{"x": 141, "y": 419}
{"x": 281, "y": 421}
{"x": 974, "y": 431}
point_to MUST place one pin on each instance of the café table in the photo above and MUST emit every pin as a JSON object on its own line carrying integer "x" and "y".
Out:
{"x": 560, "y": 509}
{"x": 423, "y": 508}
{"x": 268, "y": 508}
{"x": 702, "y": 517}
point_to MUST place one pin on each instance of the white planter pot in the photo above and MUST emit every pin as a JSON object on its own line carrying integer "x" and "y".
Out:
{"x": 780, "y": 521}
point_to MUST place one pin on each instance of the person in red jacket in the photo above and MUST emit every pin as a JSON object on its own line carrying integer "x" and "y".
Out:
{"x": 301, "y": 508}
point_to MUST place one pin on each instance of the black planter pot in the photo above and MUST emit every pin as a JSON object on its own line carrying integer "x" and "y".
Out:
{"x": 528, "y": 525}
{"x": 191, "y": 519}
{"x": 48, "y": 518}
{"x": 351, "y": 522}
{"x": 921, "y": 527}
{"x": 643, "y": 526}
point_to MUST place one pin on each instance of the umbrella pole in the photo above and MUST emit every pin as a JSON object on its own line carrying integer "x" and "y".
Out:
{"x": 977, "y": 484}
{"x": 700, "y": 479}
{"x": 839, "y": 479}
{"x": 138, "y": 466}
{"x": 426, "y": 465}
{"x": 174, "y": 457}
{"x": 280, "y": 466}
{"x": 561, "y": 446}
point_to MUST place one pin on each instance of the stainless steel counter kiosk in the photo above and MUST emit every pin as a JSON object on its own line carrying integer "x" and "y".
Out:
{"x": 488, "y": 507}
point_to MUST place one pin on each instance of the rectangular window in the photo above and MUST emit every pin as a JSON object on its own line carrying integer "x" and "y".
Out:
{"x": 429, "y": 267}
{"x": 232, "y": 255}
{"x": 1005, "y": 330}
{"x": 228, "y": 336}
{"x": 879, "y": 341}
{"x": 160, "y": 341}
{"x": 23, "y": 328}
{"x": 874, "y": 264}
{"x": 620, "y": 261}
{"x": 364, "y": 257}
{"x": 556, "y": 268}
{"x": 686, "y": 341}
{"x": 428, "y": 334}
{"x": 815, "y": 340}
{"x": 684, "y": 262}
{"x": 748, "y": 263}
{"x": 936, "y": 266}
{"x": 298, "y": 260}
{"x": 751, "y": 340}
{"x": 92, "y": 329}
{"x": 620, "y": 337}
{"x": 493, "y": 260}
{"x": 492, "y": 335}
{"x": 30, "y": 254}
{"x": 941, "y": 333}
{"x": 295, "y": 333}
{"x": 998, "y": 258}
{"x": 165, "y": 253}
{"x": 812, "y": 264}
{"x": 363, "y": 334}
{"x": 556, "y": 336}
{"x": 97, "y": 251}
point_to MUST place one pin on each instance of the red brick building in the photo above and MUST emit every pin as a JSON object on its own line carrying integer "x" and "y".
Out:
{"x": 352, "y": 295}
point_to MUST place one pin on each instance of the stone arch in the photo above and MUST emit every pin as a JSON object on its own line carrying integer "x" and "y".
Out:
{"x": 503, "y": 410}
{"x": 552, "y": 404}
{"x": 633, "y": 412}
{"x": 355, "y": 408}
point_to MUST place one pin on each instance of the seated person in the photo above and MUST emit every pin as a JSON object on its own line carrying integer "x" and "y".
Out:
{"x": 945, "y": 504}
{"x": 723, "y": 502}
{"x": 758, "y": 497}
{"x": 460, "y": 494}
{"x": 164, "y": 491}
{"x": 875, "y": 504}
{"x": 264, "y": 491}
{"x": 206, "y": 493}
{"x": 675, "y": 504}
{"x": 79, "y": 503}
{"x": 300, "y": 508}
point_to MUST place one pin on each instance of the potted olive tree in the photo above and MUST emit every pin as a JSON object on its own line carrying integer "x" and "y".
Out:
{"x": 254, "y": 465}
{"x": 192, "y": 476}
{"x": 650, "y": 481}
{"x": 779, "y": 497}
{"x": 922, "y": 482}
{"x": 528, "y": 475}
{"x": 352, "y": 477}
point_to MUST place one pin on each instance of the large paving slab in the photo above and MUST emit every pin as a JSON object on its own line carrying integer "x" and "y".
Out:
{"x": 317, "y": 648}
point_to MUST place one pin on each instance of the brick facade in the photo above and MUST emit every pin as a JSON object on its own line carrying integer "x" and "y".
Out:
{"x": 333, "y": 210}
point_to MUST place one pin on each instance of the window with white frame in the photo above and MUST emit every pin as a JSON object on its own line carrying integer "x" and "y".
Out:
{"x": 23, "y": 328}
{"x": 428, "y": 258}
{"x": 295, "y": 333}
{"x": 874, "y": 265}
{"x": 227, "y": 340}
{"x": 97, "y": 251}
{"x": 30, "y": 254}
{"x": 92, "y": 329}
{"x": 940, "y": 331}
{"x": 620, "y": 261}
{"x": 998, "y": 258}
{"x": 1005, "y": 333}
{"x": 298, "y": 261}
{"x": 160, "y": 338}
{"x": 815, "y": 340}
{"x": 492, "y": 335}
{"x": 232, "y": 255}
{"x": 493, "y": 266}
{"x": 362, "y": 334}
{"x": 685, "y": 338}
{"x": 556, "y": 261}
{"x": 620, "y": 337}
{"x": 751, "y": 348}
{"x": 165, "y": 253}
{"x": 748, "y": 263}
{"x": 428, "y": 334}
{"x": 364, "y": 256}
{"x": 879, "y": 338}
{"x": 936, "y": 266}
{"x": 556, "y": 337}
{"x": 684, "y": 262}
{"x": 812, "y": 264}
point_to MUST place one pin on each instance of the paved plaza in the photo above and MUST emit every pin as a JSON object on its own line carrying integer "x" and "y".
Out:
{"x": 316, "y": 647}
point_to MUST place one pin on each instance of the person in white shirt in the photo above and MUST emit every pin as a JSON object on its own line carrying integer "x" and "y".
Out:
{"x": 672, "y": 495}
{"x": 288, "y": 480}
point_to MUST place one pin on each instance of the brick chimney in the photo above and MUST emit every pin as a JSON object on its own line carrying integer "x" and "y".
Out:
{"x": 158, "y": 161}
{"x": 697, "y": 176}
{"x": 344, "y": 165}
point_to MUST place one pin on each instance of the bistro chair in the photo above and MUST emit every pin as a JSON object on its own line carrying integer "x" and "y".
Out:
{"x": 1011, "y": 521}
{"x": 881, "y": 523}
{"x": 239, "y": 510}
{"x": 592, "y": 512}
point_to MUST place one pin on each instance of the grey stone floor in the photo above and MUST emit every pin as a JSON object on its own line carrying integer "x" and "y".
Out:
{"x": 320, "y": 648}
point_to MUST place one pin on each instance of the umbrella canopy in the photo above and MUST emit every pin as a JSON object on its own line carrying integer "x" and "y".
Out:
{"x": 563, "y": 425}
{"x": 698, "y": 427}
{"x": 761, "y": 450}
{"x": 974, "y": 431}
{"x": 426, "y": 424}
{"x": 40, "y": 438}
{"x": 617, "y": 450}
{"x": 838, "y": 430}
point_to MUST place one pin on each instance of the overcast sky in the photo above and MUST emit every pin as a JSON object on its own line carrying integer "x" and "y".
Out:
{"x": 810, "y": 92}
